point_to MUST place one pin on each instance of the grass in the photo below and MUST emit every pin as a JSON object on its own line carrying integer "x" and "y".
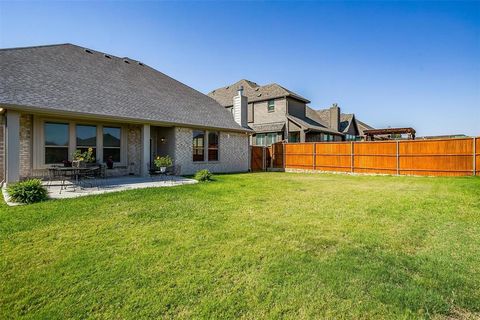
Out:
{"x": 266, "y": 245}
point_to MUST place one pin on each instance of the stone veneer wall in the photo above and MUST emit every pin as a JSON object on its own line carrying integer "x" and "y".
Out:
{"x": 233, "y": 153}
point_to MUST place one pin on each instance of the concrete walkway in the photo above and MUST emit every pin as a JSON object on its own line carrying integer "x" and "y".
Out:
{"x": 114, "y": 185}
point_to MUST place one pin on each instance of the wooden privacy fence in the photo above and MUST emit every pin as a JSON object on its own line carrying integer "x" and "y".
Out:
{"x": 448, "y": 157}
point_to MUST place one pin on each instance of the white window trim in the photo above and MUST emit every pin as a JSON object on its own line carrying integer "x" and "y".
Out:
{"x": 39, "y": 140}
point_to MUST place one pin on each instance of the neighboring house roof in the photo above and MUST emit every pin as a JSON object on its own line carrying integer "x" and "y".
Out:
{"x": 253, "y": 92}
{"x": 268, "y": 127}
{"x": 346, "y": 120}
{"x": 362, "y": 126}
{"x": 73, "y": 79}
{"x": 309, "y": 124}
{"x": 314, "y": 115}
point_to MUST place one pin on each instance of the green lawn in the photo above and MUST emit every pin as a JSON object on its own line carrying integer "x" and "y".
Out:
{"x": 266, "y": 245}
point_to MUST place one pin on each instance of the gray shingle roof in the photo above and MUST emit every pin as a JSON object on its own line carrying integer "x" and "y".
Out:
{"x": 311, "y": 125}
{"x": 268, "y": 127}
{"x": 253, "y": 92}
{"x": 345, "y": 120}
{"x": 71, "y": 79}
{"x": 362, "y": 126}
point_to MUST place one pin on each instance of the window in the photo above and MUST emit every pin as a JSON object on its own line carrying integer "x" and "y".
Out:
{"x": 271, "y": 105}
{"x": 86, "y": 138}
{"x": 326, "y": 137}
{"x": 213, "y": 146}
{"x": 56, "y": 142}
{"x": 271, "y": 138}
{"x": 294, "y": 137}
{"x": 111, "y": 143}
{"x": 350, "y": 137}
{"x": 198, "y": 145}
{"x": 260, "y": 139}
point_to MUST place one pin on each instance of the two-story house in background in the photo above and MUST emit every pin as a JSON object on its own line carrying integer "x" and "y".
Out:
{"x": 276, "y": 113}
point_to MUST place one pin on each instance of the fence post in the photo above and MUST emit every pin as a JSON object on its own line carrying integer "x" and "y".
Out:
{"x": 314, "y": 155}
{"x": 351, "y": 157}
{"x": 398, "y": 158}
{"x": 284, "y": 154}
{"x": 474, "y": 156}
{"x": 264, "y": 159}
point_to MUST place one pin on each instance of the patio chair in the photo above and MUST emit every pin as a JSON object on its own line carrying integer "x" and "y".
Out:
{"x": 89, "y": 177}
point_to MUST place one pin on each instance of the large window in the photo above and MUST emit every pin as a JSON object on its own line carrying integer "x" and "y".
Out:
{"x": 271, "y": 105}
{"x": 111, "y": 143}
{"x": 198, "y": 145}
{"x": 213, "y": 146}
{"x": 56, "y": 142}
{"x": 87, "y": 138}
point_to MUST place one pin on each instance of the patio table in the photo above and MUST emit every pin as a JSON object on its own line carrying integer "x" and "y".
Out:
{"x": 65, "y": 172}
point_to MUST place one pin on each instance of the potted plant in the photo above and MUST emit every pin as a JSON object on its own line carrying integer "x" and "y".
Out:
{"x": 80, "y": 159}
{"x": 110, "y": 162}
{"x": 161, "y": 163}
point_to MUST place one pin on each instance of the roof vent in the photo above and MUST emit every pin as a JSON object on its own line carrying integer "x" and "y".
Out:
{"x": 259, "y": 95}
{"x": 107, "y": 56}
{"x": 126, "y": 61}
{"x": 227, "y": 87}
{"x": 256, "y": 89}
{"x": 88, "y": 51}
{"x": 139, "y": 63}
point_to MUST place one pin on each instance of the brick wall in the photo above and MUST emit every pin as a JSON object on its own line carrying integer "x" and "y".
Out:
{"x": 26, "y": 147}
{"x": 261, "y": 114}
{"x": 134, "y": 146}
{"x": 233, "y": 153}
{"x": 2, "y": 148}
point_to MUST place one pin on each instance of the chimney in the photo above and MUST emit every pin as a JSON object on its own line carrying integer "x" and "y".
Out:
{"x": 240, "y": 108}
{"x": 335, "y": 117}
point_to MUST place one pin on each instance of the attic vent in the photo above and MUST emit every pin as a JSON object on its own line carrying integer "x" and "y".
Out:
{"x": 126, "y": 61}
{"x": 139, "y": 63}
{"x": 107, "y": 56}
{"x": 88, "y": 51}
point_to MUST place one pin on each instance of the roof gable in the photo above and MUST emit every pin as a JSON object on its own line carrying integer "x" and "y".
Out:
{"x": 74, "y": 79}
{"x": 253, "y": 92}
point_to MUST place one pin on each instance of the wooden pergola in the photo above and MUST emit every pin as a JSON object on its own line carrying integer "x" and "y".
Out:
{"x": 370, "y": 134}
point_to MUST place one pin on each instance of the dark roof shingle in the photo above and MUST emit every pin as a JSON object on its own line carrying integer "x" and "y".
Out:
{"x": 253, "y": 92}
{"x": 69, "y": 78}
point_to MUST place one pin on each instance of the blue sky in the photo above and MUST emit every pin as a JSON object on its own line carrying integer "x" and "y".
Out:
{"x": 391, "y": 63}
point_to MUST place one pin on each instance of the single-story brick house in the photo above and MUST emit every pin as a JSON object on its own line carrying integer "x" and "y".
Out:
{"x": 60, "y": 98}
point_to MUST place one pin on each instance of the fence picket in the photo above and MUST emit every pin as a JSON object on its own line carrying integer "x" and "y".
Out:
{"x": 442, "y": 157}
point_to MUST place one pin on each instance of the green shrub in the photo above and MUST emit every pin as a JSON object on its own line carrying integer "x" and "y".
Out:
{"x": 28, "y": 191}
{"x": 204, "y": 175}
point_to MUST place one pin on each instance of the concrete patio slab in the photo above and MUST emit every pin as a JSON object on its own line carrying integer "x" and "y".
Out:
{"x": 114, "y": 185}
